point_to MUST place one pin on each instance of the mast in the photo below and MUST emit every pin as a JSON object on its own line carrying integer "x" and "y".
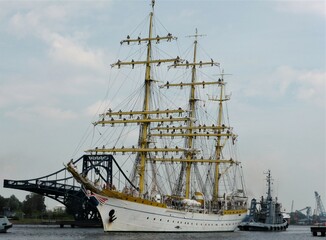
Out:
{"x": 145, "y": 126}
{"x": 192, "y": 115}
{"x": 218, "y": 143}
{"x": 190, "y": 134}
{"x": 145, "y": 116}
{"x": 269, "y": 182}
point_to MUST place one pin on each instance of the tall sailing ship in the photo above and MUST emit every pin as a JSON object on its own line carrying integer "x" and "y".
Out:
{"x": 170, "y": 136}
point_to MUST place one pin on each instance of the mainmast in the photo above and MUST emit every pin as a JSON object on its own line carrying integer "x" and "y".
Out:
{"x": 190, "y": 134}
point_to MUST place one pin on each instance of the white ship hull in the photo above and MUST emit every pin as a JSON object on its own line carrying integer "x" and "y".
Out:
{"x": 136, "y": 217}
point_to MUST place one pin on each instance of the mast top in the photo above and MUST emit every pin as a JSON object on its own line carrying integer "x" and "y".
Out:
{"x": 153, "y": 3}
{"x": 196, "y": 35}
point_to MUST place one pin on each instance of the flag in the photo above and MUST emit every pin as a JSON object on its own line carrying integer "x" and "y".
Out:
{"x": 99, "y": 198}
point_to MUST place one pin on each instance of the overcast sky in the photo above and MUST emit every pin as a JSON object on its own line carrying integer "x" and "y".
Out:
{"x": 54, "y": 70}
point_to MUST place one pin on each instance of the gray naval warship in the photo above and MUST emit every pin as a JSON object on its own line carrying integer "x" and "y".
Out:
{"x": 266, "y": 214}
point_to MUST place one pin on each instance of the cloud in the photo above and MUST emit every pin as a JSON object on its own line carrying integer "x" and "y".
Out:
{"x": 68, "y": 51}
{"x": 316, "y": 8}
{"x": 41, "y": 112}
{"x": 307, "y": 85}
{"x": 22, "y": 92}
{"x": 96, "y": 108}
{"x": 65, "y": 45}
{"x": 30, "y": 90}
{"x": 64, "y": 64}
{"x": 300, "y": 84}
{"x": 25, "y": 24}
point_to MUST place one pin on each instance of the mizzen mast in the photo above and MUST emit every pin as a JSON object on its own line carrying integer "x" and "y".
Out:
{"x": 220, "y": 129}
{"x": 218, "y": 143}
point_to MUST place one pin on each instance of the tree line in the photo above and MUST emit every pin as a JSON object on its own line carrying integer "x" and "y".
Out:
{"x": 32, "y": 207}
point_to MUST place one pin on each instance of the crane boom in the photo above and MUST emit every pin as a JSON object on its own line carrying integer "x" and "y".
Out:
{"x": 320, "y": 210}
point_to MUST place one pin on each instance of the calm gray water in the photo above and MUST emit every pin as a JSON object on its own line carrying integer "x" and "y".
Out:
{"x": 38, "y": 232}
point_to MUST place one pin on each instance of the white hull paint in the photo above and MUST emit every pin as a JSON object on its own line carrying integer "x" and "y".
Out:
{"x": 136, "y": 217}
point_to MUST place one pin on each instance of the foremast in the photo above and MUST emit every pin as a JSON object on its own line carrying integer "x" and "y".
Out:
{"x": 144, "y": 118}
{"x": 145, "y": 126}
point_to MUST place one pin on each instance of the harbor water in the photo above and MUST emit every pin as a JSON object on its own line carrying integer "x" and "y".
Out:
{"x": 42, "y": 232}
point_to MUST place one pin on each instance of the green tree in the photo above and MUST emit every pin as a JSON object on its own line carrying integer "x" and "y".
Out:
{"x": 10, "y": 206}
{"x": 2, "y": 204}
{"x": 33, "y": 204}
{"x": 13, "y": 203}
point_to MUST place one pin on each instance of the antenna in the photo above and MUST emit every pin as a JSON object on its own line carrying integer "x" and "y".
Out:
{"x": 269, "y": 183}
